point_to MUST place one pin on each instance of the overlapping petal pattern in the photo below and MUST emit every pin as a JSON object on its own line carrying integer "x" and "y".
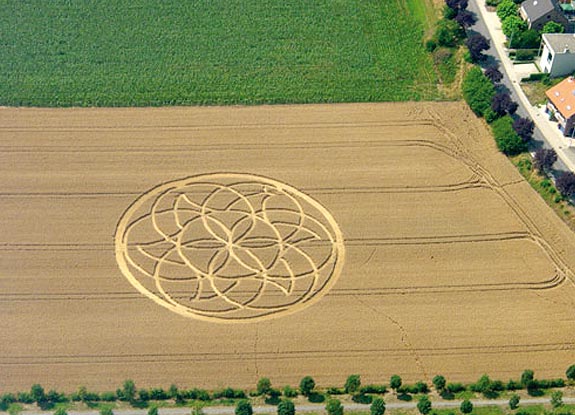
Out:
{"x": 229, "y": 247}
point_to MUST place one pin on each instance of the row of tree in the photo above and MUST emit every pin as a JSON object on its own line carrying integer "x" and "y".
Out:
{"x": 307, "y": 387}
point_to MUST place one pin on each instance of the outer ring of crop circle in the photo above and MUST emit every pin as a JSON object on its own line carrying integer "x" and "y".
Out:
{"x": 121, "y": 251}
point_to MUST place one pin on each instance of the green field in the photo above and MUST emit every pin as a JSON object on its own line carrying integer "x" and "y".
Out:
{"x": 173, "y": 52}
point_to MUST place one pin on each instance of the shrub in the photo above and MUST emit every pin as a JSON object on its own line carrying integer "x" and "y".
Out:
{"x": 430, "y": 45}
{"x": 289, "y": 392}
{"x": 106, "y": 411}
{"x": 514, "y": 385}
{"x": 570, "y": 372}
{"x": 362, "y": 398}
{"x": 5, "y": 401}
{"x": 381, "y": 389}
{"x": 506, "y": 138}
{"x": 492, "y": 3}
{"x": 158, "y": 394}
{"x": 153, "y": 410}
{"x": 439, "y": 382}
{"x": 60, "y": 411}
{"x": 335, "y": 391}
{"x": 477, "y": 90}
{"x": 110, "y": 396}
{"x": 525, "y": 54}
{"x": 455, "y": 387}
{"x": 25, "y": 397}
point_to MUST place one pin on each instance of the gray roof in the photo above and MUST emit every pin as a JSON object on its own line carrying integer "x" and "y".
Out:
{"x": 558, "y": 42}
{"x": 535, "y": 9}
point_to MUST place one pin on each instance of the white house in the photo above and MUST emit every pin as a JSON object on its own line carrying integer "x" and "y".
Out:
{"x": 558, "y": 56}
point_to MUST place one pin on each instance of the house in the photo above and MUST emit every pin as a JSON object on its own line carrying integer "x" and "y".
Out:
{"x": 538, "y": 12}
{"x": 558, "y": 56}
{"x": 561, "y": 105}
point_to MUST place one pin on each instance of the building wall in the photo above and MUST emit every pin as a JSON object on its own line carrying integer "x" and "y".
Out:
{"x": 546, "y": 59}
{"x": 554, "y": 15}
{"x": 562, "y": 64}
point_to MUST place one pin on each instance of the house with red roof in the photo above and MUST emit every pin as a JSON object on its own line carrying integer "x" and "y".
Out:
{"x": 561, "y": 105}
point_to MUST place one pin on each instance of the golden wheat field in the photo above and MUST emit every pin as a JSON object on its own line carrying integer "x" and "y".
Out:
{"x": 209, "y": 247}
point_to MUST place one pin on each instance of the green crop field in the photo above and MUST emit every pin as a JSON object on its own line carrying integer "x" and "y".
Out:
{"x": 174, "y": 52}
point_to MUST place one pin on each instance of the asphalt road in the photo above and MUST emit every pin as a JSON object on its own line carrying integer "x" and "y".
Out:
{"x": 268, "y": 409}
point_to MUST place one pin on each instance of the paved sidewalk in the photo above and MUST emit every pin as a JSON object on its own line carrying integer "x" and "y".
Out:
{"x": 551, "y": 133}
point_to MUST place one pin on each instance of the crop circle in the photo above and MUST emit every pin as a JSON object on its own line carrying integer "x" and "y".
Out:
{"x": 229, "y": 247}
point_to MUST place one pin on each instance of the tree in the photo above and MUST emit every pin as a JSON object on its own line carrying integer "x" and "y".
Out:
{"x": 513, "y": 25}
{"x": 570, "y": 373}
{"x": 306, "y": 385}
{"x": 60, "y": 411}
{"x": 493, "y": 74}
{"x": 439, "y": 383}
{"x": 129, "y": 390}
{"x": 106, "y": 411}
{"x": 524, "y": 128}
{"x": 477, "y": 90}
{"x": 501, "y": 102}
{"x": 457, "y": 4}
{"x": 334, "y": 407}
{"x": 153, "y": 410}
{"x": 264, "y": 386}
{"x": 556, "y": 399}
{"x": 476, "y": 44}
{"x": 506, "y": 9}
{"x": 244, "y": 407}
{"x": 377, "y": 407}
{"x": 527, "y": 377}
{"x": 424, "y": 405}
{"x": 286, "y": 407}
{"x": 542, "y": 161}
{"x": 395, "y": 382}
{"x": 465, "y": 18}
{"x": 466, "y": 406}
{"x": 553, "y": 27}
{"x": 38, "y": 394}
{"x": 566, "y": 184}
{"x": 352, "y": 384}
{"x": 506, "y": 138}
{"x": 448, "y": 33}
{"x": 514, "y": 401}
{"x": 526, "y": 39}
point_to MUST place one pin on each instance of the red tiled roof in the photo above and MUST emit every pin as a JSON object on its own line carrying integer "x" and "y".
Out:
{"x": 562, "y": 96}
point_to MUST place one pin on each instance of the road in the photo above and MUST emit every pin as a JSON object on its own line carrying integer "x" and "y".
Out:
{"x": 488, "y": 25}
{"x": 268, "y": 409}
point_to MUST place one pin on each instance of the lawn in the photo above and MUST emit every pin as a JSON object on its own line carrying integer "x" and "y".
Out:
{"x": 147, "y": 53}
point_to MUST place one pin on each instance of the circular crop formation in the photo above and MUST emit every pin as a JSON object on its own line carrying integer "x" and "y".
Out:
{"x": 229, "y": 247}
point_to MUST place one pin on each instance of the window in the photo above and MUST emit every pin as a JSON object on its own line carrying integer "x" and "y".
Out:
{"x": 549, "y": 57}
